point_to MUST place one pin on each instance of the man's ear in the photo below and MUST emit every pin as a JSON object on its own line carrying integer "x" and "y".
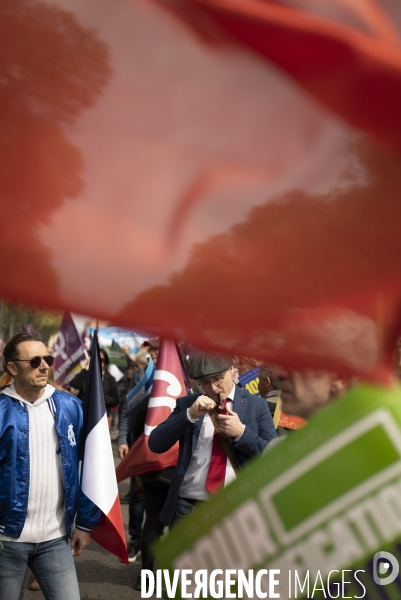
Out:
{"x": 12, "y": 369}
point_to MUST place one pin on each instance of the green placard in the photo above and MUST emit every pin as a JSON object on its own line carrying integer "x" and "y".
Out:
{"x": 316, "y": 507}
{"x": 117, "y": 356}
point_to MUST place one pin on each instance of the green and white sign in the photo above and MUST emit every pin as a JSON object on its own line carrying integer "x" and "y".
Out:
{"x": 117, "y": 356}
{"x": 316, "y": 516}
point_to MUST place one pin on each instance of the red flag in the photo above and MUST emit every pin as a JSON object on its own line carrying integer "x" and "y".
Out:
{"x": 248, "y": 146}
{"x": 168, "y": 385}
{"x": 340, "y": 51}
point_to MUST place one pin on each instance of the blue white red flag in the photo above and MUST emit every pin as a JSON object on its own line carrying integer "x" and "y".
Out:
{"x": 98, "y": 477}
{"x": 68, "y": 351}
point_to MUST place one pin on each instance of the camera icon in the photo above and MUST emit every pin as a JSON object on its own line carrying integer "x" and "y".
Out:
{"x": 385, "y": 568}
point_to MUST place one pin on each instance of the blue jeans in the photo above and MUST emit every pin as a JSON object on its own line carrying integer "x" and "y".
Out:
{"x": 136, "y": 510}
{"x": 183, "y": 509}
{"x": 50, "y": 562}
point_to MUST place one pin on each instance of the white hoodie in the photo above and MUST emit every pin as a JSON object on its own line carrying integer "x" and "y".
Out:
{"x": 46, "y": 515}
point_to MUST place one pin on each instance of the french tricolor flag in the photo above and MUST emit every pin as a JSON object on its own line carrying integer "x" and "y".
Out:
{"x": 98, "y": 476}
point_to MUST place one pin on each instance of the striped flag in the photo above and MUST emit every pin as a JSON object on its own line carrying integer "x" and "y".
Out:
{"x": 98, "y": 479}
{"x": 168, "y": 385}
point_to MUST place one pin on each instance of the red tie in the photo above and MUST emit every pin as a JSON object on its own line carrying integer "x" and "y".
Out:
{"x": 218, "y": 462}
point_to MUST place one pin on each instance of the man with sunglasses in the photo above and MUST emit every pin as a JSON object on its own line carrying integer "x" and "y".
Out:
{"x": 218, "y": 432}
{"x": 40, "y": 495}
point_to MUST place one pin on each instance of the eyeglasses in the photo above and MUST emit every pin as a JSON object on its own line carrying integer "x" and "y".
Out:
{"x": 36, "y": 361}
{"x": 217, "y": 379}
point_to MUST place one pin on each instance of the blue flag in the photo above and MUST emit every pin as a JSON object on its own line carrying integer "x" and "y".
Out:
{"x": 141, "y": 392}
{"x": 249, "y": 381}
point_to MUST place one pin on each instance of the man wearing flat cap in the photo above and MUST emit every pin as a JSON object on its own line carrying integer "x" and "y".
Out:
{"x": 217, "y": 431}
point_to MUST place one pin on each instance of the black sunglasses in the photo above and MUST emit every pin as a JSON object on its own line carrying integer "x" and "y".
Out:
{"x": 36, "y": 361}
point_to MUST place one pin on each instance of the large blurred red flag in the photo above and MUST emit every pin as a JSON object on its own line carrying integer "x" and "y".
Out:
{"x": 341, "y": 51}
{"x": 168, "y": 385}
{"x": 238, "y": 162}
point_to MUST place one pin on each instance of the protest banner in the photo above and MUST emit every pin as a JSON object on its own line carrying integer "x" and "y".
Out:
{"x": 117, "y": 356}
{"x": 320, "y": 511}
{"x": 141, "y": 392}
{"x": 250, "y": 380}
{"x": 281, "y": 419}
{"x": 118, "y": 360}
{"x": 118, "y": 335}
{"x": 68, "y": 351}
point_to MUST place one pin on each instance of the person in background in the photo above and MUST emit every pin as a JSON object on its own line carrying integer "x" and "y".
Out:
{"x": 155, "y": 488}
{"x": 124, "y": 382}
{"x": 268, "y": 386}
{"x": 150, "y": 349}
{"x": 126, "y": 439}
{"x": 269, "y": 389}
{"x": 110, "y": 390}
{"x": 304, "y": 392}
{"x": 51, "y": 381}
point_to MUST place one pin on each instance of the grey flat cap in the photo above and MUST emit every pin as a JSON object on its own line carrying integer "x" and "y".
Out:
{"x": 207, "y": 364}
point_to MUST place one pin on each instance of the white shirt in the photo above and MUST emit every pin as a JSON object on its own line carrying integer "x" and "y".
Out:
{"x": 194, "y": 483}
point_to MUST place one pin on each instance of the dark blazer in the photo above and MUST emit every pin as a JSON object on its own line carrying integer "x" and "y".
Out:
{"x": 252, "y": 412}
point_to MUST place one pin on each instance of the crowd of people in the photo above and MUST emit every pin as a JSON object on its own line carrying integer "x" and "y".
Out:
{"x": 219, "y": 427}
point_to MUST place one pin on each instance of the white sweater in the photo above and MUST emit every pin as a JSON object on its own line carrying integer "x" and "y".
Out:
{"x": 46, "y": 514}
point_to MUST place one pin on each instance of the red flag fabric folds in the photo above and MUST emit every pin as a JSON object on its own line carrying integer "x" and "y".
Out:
{"x": 212, "y": 146}
{"x": 168, "y": 385}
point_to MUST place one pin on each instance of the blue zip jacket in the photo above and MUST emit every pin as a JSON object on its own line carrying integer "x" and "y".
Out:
{"x": 15, "y": 463}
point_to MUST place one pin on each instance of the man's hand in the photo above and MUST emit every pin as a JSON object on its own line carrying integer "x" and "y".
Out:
{"x": 80, "y": 539}
{"x": 122, "y": 450}
{"x": 201, "y": 406}
{"x": 229, "y": 425}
